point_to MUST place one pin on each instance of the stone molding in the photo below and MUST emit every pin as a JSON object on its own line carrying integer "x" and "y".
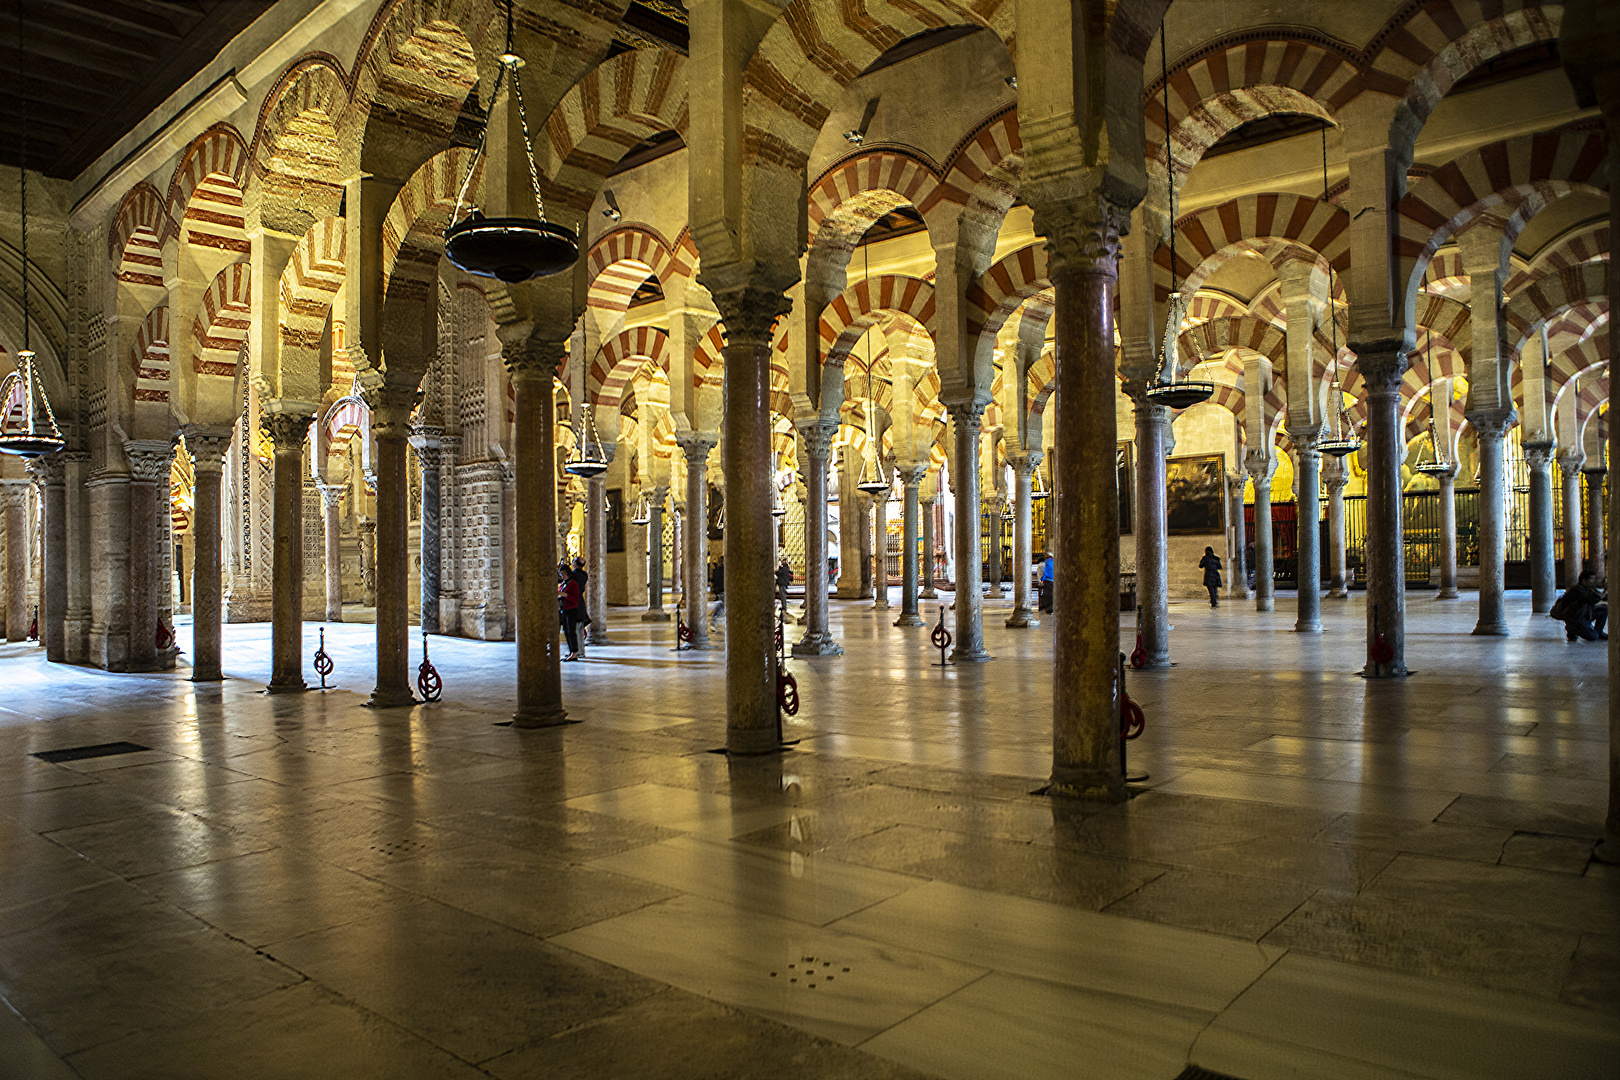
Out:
{"x": 912, "y": 476}
{"x": 14, "y": 493}
{"x": 536, "y": 358}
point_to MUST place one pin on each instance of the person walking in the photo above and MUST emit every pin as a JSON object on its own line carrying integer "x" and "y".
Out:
{"x": 784, "y": 578}
{"x": 570, "y": 603}
{"x": 1046, "y": 584}
{"x": 583, "y": 577}
{"x": 1210, "y": 564}
{"x": 1583, "y": 609}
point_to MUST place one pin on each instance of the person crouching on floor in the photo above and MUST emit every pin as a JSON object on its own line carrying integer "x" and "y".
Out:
{"x": 1583, "y": 609}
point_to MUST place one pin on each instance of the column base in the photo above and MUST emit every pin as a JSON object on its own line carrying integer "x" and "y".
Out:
{"x": 530, "y": 719}
{"x": 1021, "y": 619}
{"x": 1608, "y": 851}
{"x": 909, "y": 618}
{"x": 1265, "y": 603}
{"x": 1384, "y": 671}
{"x": 390, "y": 699}
{"x": 1338, "y": 594}
{"x": 594, "y": 637}
{"x": 297, "y": 687}
{"x": 206, "y": 676}
{"x": 1091, "y": 785}
{"x": 1307, "y": 628}
{"x": 928, "y": 594}
{"x": 975, "y": 656}
{"x": 1541, "y": 608}
{"x": 881, "y": 607}
{"x": 821, "y": 644}
{"x": 751, "y": 742}
{"x": 655, "y": 616}
{"x": 1449, "y": 594}
{"x": 1484, "y": 629}
{"x": 995, "y": 594}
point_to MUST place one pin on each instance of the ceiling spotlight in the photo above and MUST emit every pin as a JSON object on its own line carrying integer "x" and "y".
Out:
{"x": 1012, "y": 81}
{"x": 854, "y": 138}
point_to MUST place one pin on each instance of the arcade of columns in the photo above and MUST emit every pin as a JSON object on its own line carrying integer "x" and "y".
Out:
{"x": 264, "y": 321}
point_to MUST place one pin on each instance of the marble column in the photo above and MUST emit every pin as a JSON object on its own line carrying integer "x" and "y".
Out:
{"x": 1448, "y": 534}
{"x": 1083, "y": 244}
{"x": 1335, "y": 474}
{"x": 1543, "y": 565}
{"x": 427, "y": 456}
{"x": 1596, "y": 523}
{"x": 1491, "y": 430}
{"x": 1237, "y": 580}
{"x": 1570, "y": 470}
{"x": 1260, "y": 469}
{"x": 207, "y": 447}
{"x": 390, "y": 427}
{"x": 286, "y": 431}
{"x": 911, "y": 477}
{"x": 993, "y": 589}
{"x": 149, "y": 464}
{"x": 863, "y": 542}
{"x": 331, "y": 506}
{"x": 818, "y": 640}
{"x": 533, "y": 365}
{"x": 927, "y": 509}
{"x": 1382, "y": 369}
{"x": 696, "y": 445}
{"x": 965, "y": 418}
{"x": 880, "y": 551}
{"x": 77, "y": 615}
{"x": 749, "y": 314}
{"x": 1024, "y": 612}
{"x": 1307, "y": 534}
{"x": 596, "y": 558}
{"x": 368, "y": 562}
{"x": 655, "y": 557}
{"x": 53, "y": 595}
{"x": 15, "y": 493}
{"x": 1151, "y": 527}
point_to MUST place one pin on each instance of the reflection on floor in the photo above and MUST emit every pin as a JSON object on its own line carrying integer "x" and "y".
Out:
{"x": 1322, "y": 877}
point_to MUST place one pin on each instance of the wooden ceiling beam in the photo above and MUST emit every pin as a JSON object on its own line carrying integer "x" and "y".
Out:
{"x": 116, "y": 14}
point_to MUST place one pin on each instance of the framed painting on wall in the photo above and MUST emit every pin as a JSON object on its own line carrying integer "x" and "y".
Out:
{"x": 1195, "y": 488}
{"x": 615, "y": 519}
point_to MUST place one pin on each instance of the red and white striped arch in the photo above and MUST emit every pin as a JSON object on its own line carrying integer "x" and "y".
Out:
{"x": 220, "y": 329}
{"x": 150, "y": 357}
{"x": 620, "y": 358}
{"x": 852, "y": 312}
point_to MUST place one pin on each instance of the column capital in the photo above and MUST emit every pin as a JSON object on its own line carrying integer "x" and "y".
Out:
{"x": 1082, "y": 234}
{"x": 332, "y": 494}
{"x": 55, "y": 469}
{"x": 1381, "y": 368}
{"x": 748, "y": 313}
{"x": 1492, "y": 423}
{"x": 1539, "y": 455}
{"x": 1259, "y": 465}
{"x": 1025, "y": 462}
{"x": 1570, "y": 461}
{"x": 818, "y": 436}
{"x": 912, "y": 475}
{"x": 1335, "y": 474}
{"x": 966, "y": 413}
{"x": 14, "y": 493}
{"x": 391, "y": 409}
{"x": 286, "y": 430}
{"x": 534, "y": 358}
{"x": 207, "y": 446}
{"x": 149, "y": 460}
{"x": 1146, "y": 408}
{"x": 696, "y": 445}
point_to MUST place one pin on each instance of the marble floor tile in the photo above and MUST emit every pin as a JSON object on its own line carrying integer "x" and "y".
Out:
{"x": 652, "y": 1039}
{"x": 1555, "y": 818}
{"x": 1535, "y": 896}
{"x": 1594, "y": 974}
{"x": 466, "y": 984}
{"x": 810, "y": 888}
{"x": 1345, "y": 796}
{"x": 1453, "y": 841}
{"x": 1535, "y": 851}
{"x": 154, "y": 842}
{"x": 69, "y": 807}
{"x": 700, "y": 812}
{"x": 1242, "y": 907}
{"x": 25, "y": 1054}
{"x": 1003, "y": 1027}
{"x": 1317, "y": 1017}
{"x": 1050, "y": 942}
{"x": 832, "y": 984}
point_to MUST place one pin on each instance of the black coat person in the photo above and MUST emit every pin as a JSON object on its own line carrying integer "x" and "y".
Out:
{"x": 1210, "y": 564}
{"x": 1584, "y": 610}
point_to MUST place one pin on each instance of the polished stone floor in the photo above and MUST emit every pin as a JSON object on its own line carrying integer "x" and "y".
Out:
{"x": 1322, "y": 877}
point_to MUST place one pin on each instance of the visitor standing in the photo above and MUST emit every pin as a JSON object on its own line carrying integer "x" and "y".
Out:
{"x": 1210, "y": 564}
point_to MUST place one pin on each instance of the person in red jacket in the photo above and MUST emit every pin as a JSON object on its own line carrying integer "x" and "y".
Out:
{"x": 571, "y": 603}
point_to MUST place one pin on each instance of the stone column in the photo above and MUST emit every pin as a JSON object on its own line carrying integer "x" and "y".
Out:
{"x": 1570, "y": 466}
{"x": 1238, "y": 580}
{"x": 368, "y": 562}
{"x": 965, "y": 475}
{"x": 286, "y": 431}
{"x": 1448, "y": 534}
{"x": 1491, "y": 429}
{"x": 911, "y": 477}
{"x": 1335, "y": 474}
{"x": 427, "y": 456}
{"x": 696, "y": 446}
{"x": 749, "y": 314}
{"x": 207, "y": 447}
{"x": 53, "y": 596}
{"x": 149, "y": 464}
{"x": 390, "y": 426}
{"x": 1083, "y": 242}
{"x": 1543, "y": 565}
{"x": 863, "y": 538}
{"x": 1382, "y": 370}
{"x": 533, "y": 365}
{"x": 655, "y": 557}
{"x": 1596, "y": 524}
{"x": 596, "y": 557}
{"x": 17, "y": 548}
{"x": 1307, "y": 537}
{"x": 993, "y": 589}
{"x": 1260, "y": 468}
{"x": 927, "y": 509}
{"x": 880, "y": 551}
{"x": 1151, "y": 526}
{"x": 818, "y": 640}
{"x": 331, "y": 506}
{"x": 77, "y": 616}
{"x": 1024, "y": 612}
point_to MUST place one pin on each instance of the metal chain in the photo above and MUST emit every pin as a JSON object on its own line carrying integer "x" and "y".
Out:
{"x": 528, "y": 145}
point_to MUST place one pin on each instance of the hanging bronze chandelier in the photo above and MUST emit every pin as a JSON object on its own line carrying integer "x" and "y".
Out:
{"x": 871, "y": 479}
{"x": 510, "y": 249}
{"x": 1439, "y": 464}
{"x": 1174, "y": 393}
{"x": 39, "y": 434}
{"x": 587, "y": 464}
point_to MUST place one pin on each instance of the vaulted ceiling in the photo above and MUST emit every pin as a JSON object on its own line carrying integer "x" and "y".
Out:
{"x": 87, "y": 71}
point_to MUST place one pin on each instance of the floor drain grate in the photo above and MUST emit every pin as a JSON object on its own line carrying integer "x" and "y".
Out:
{"x": 1193, "y": 1072}
{"x": 810, "y": 972}
{"x": 82, "y": 753}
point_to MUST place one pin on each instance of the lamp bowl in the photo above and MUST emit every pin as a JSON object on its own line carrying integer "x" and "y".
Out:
{"x": 585, "y": 469}
{"x": 30, "y": 446}
{"x": 510, "y": 249}
{"x": 1180, "y": 395}
{"x": 1339, "y": 447}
